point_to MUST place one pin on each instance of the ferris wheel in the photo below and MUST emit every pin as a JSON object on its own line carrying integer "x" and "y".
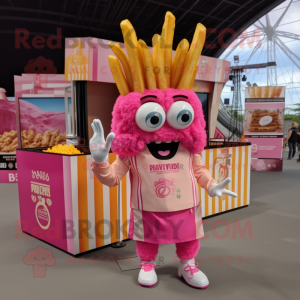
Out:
{"x": 273, "y": 45}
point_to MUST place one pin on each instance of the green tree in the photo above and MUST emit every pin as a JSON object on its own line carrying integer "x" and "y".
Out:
{"x": 235, "y": 114}
{"x": 293, "y": 113}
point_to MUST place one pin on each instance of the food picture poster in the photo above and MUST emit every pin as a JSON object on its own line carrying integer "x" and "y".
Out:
{"x": 264, "y": 119}
{"x": 8, "y": 126}
{"x": 264, "y": 111}
{"x": 8, "y": 135}
{"x": 42, "y": 122}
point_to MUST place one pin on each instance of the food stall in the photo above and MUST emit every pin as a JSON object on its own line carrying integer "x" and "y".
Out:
{"x": 61, "y": 201}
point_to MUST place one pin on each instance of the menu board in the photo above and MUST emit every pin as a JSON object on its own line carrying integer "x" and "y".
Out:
{"x": 263, "y": 125}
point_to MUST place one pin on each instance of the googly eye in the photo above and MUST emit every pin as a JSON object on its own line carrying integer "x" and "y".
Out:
{"x": 150, "y": 116}
{"x": 180, "y": 115}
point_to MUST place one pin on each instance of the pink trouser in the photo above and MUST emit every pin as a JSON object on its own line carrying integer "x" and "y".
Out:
{"x": 186, "y": 250}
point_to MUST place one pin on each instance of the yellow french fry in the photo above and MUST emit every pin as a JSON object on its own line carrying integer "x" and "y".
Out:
{"x": 193, "y": 80}
{"x": 115, "y": 47}
{"x": 167, "y": 44}
{"x": 148, "y": 65}
{"x": 141, "y": 63}
{"x": 118, "y": 75}
{"x": 158, "y": 60}
{"x": 155, "y": 40}
{"x": 192, "y": 57}
{"x": 178, "y": 62}
{"x": 131, "y": 44}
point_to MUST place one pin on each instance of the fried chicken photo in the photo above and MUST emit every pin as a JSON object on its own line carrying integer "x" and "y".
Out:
{"x": 46, "y": 138}
{"x": 31, "y": 135}
{"x": 54, "y": 135}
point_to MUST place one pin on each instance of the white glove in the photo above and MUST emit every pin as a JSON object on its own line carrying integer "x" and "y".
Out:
{"x": 216, "y": 190}
{"x": 98, "y": 147}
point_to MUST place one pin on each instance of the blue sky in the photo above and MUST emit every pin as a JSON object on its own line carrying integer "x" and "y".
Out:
{"x": 288, "y": 74}
{"x": 48, "y": 104}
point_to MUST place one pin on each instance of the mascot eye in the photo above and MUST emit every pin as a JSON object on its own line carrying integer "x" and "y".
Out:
{"x": 180, "y": 115}
{"x": 150, "y": 116}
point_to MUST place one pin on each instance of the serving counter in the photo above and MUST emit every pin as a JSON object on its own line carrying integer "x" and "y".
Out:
{"x": 62, "y": 203}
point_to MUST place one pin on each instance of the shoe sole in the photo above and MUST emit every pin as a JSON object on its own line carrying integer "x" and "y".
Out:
{"x": 194, "y": 286}
{"x": 147, "y": 285}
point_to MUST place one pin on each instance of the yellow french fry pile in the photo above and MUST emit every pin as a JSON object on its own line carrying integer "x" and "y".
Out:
{"x": 63, "y": 149}
{"x": 142, "y": 70}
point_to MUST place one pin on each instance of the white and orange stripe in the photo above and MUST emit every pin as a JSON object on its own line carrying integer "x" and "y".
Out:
{"x": 238, "y": 171}
{"x": 94, "y": 206}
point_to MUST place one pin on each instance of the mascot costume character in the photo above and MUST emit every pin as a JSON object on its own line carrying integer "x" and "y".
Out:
{"x": 158, "y": 133}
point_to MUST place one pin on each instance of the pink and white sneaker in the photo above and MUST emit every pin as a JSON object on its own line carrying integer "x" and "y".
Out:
{"x": 192, "y": 275}
{"x": 147, "y": 275}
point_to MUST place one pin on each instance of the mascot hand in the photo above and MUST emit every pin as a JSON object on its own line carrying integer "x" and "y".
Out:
{"x": 98, "y": 146}
{"x": 216, "y": 190}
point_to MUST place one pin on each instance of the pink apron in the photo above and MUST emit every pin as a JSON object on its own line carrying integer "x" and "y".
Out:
{"x": 166, "y": 227}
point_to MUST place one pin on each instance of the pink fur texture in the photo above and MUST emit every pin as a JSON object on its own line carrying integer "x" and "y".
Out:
{"x": 146, "y": 251}
{"x": 131, "y": 140}
{"x": 187, "y": 250}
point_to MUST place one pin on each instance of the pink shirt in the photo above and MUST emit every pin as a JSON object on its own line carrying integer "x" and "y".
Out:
{"x": 159, "y": 185}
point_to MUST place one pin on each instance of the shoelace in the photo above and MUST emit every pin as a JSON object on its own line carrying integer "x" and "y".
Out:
{"x": 191, "y": 269}
{"x": 147, "y": 267}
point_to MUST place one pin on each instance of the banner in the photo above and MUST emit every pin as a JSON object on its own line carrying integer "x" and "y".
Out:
{"x": 265, "y": 147}
{"x": 8, "y": 137}
{"x": 263, "y": 126}
{"x": 86, "y": 59}
{"x": 266, "y": 165}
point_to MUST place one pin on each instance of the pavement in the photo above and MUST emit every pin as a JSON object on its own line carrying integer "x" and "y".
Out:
{"x": 250, "y": 253}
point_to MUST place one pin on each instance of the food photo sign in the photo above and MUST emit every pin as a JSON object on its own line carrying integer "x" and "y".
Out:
{"x": 42, "y": 122}
{"x": 8, "y": 139}
{"x": 263, "y": 125}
